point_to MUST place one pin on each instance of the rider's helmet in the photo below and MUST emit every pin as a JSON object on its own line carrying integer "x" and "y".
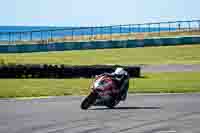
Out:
{"x": 119, "y": 73}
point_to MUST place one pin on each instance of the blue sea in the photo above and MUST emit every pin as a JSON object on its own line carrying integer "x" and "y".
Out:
{"x": 33, "y": 32}
{"x": 25, "y": 28}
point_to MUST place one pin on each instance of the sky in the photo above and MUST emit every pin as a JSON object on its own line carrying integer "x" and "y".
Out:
{"x": 95, "y": 12}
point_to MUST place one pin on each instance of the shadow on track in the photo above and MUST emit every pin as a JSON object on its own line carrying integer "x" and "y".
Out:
{"x": 126, "y": 108}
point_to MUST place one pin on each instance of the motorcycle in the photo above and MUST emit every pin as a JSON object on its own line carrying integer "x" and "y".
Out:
{"x": 104, "y": 93}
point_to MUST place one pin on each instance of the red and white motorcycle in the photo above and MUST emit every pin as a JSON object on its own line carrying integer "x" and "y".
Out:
{"x": 104, "y": 93}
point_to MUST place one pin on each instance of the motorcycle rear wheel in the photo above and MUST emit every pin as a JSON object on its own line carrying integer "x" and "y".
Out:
{"x": 88, "y": 101}
{"x": 112, "y": 103}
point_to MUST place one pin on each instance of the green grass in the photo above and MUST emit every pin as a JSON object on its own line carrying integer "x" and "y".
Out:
{"x": 169, "y": 82}
{"x": 152, "y": 82}
{"x": 148, "y": 55}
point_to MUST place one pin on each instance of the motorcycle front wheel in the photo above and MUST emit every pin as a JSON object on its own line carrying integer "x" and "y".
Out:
{"x": 88, "y": 101}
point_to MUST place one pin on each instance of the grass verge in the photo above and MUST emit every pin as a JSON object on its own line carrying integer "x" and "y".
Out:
{"x": 186, "y": 54}
{"x": 179, "y": 82}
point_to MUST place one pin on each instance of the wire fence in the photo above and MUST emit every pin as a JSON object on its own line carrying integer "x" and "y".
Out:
{"x": 130, "y": 31}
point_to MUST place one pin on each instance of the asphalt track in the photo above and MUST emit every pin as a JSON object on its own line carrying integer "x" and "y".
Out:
{"x": 176, "y": 113}
{"x": 171, "y": 68}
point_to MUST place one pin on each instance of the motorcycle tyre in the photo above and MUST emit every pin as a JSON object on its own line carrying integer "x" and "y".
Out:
{"x": 112, "y": 103}
{"x": 88, "y": 101}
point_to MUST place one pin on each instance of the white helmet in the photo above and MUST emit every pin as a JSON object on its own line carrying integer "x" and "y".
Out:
{"x": 119, "y": 72}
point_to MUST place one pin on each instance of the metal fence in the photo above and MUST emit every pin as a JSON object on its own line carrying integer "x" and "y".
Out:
{"x": 129, "y": 31}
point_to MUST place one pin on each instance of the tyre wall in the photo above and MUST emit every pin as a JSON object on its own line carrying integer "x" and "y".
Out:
{"x": 60, "y": 71}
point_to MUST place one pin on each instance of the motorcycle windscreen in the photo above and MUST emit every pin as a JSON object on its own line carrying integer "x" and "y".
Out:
{"x": 104, "y": 86}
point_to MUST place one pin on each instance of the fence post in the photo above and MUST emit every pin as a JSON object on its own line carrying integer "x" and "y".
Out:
{"x": 120, "y": 30}
{"x": 82, "y": 34}
{"x": 14, "y": 37}
{"x": 159, "y": 28}
{"x": 189, "y": 26}
{"x": 91, "y": 35}
{"x": 139, "y": 27}
{"x": 110, "y": 32}
{"x": 31, "y": 36}
{"x": 101, "y": 32}
{"x": 199, "y": 25}
{"x": 179, "y": 26}
{"x": 72, "y": 34}
{"x": 51, "y": 36}
{"x": 1, "y": 38}
{"x": 129, "y": 36}
{"x": 149, "y": 29}
{"x": 129, "y": 28}
{"x": 41, "y": 35}
{"x": 20, "y": 36}
{"x": 9, "y": 37}
{"x": 169, "y": 27}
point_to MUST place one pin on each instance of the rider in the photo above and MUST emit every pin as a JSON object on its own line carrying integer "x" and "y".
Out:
{"x": 122, "y": 79}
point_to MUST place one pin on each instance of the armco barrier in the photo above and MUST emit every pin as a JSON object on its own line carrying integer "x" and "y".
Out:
{"x": 61, "y": 71}
{"x": 98, "y": 45}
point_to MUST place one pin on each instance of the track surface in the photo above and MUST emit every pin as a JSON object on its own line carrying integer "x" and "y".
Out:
{"x": 177, "y": 113}
{"x": 171, "y": 68}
